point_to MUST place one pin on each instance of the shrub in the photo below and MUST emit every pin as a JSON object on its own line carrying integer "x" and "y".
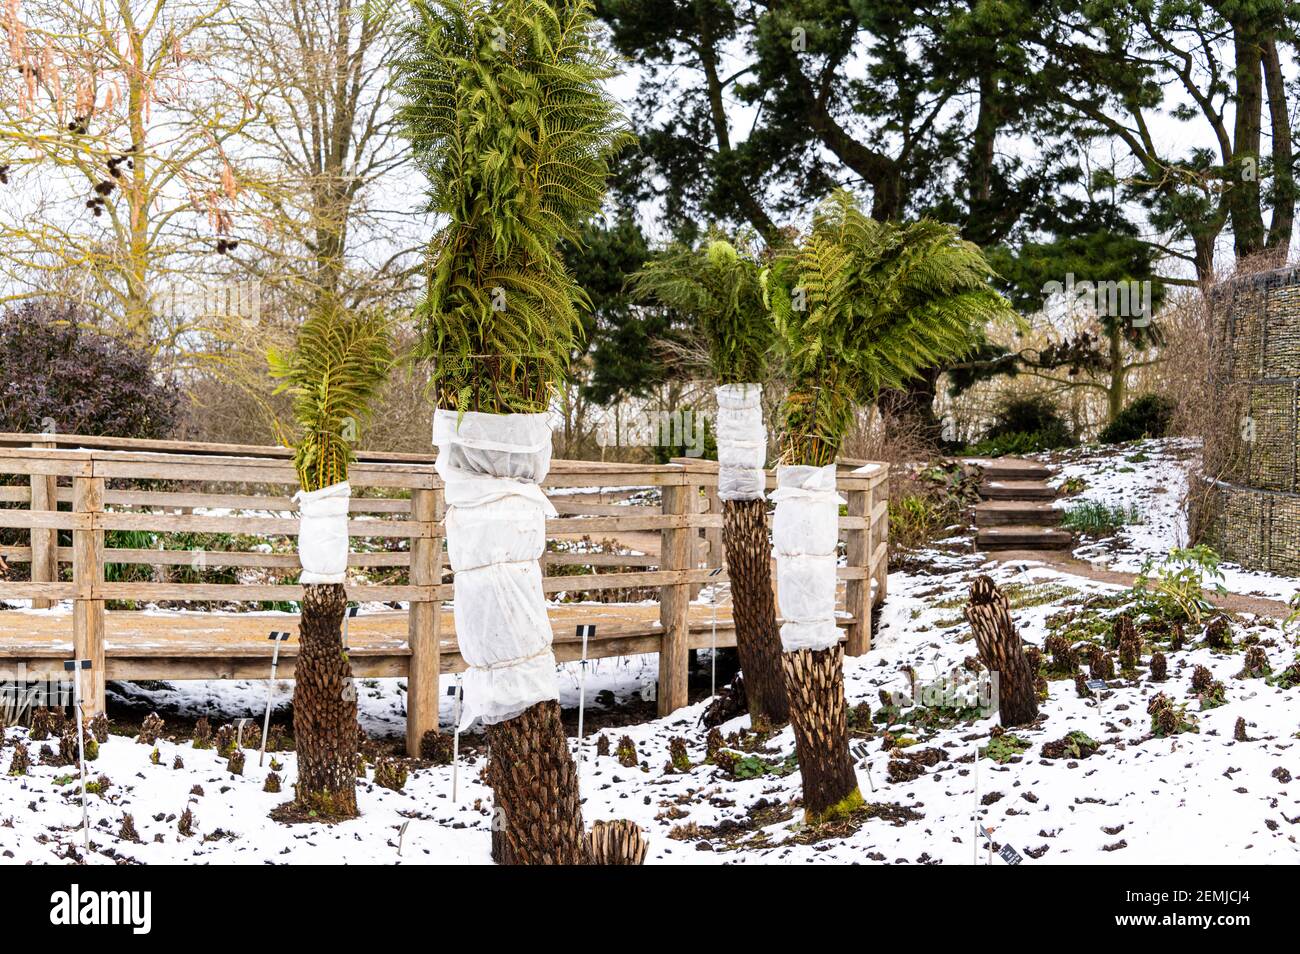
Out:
{"x": 1148, "y": 416}
{"x": 1024, "y": 425}
{"x": 54, "y": 367}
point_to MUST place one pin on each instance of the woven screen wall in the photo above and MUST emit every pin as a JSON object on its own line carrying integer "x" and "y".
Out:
{"x": 1257, "y": 507}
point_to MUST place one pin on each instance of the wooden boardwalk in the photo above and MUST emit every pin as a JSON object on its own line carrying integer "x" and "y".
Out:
{"x": 162, "y": 644}
{"x": 71, "y": 507}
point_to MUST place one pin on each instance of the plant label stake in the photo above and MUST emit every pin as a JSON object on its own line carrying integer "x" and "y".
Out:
{"x": 713, "y": 647}
{"x": 277, "y": 638}
{"x": 975, "y": 810}
{"x": 401, "y": 835}
{"x": 862, "y": 753}
{"x": 77, "y": 667}
{"x": 1098, "y": 686}
{"x": 455, "y": 741}
{"x": 352, "y": 611}
{"x": 239, "y": 732}
{"x": 586, "y": 631}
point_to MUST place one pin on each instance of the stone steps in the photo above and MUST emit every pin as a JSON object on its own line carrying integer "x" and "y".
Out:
{"x": 1023, "y": 538}
{"x": 1003, "y": 513}
{"x": 1016, "y": 511}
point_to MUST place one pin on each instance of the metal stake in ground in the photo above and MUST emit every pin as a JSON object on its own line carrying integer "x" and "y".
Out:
{"x": 77, "y": 667}
{"x": 277, "y": 638}
{"x": 455, "y": 739}
{"x": 713, "y": 648}
{"x": 401, "y": 835}
{"x": 585, "y": 631}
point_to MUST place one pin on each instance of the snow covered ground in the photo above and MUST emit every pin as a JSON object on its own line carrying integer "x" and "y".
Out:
{"x": 1195, "y": 797}
{"x": 1150, "y": 478}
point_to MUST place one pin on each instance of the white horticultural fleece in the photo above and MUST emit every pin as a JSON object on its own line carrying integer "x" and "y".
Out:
{"x": 742, "y": 441}
{"x": 323, "y": 533}
{"x": 805, "y": 536}
{"x": 492, "y": 466}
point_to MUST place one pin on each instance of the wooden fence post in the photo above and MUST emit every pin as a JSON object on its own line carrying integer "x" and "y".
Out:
{"x": 45, "y": 543}
{"x": 675, "y": 598}
{"x": 424, "y": 622}
{"x": 88, "y": 577}
{"x": 880, "y": 499}
{"x": 857, "y": 593}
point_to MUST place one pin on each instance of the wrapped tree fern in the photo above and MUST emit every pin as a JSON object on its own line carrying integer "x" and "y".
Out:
{"x": 333, "y": 373}
{"x": 859, "y": 305}
{"x": 719, "y": 284}
{"x": 506, "y": 112}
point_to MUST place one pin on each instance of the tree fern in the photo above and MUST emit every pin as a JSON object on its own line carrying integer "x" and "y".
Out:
{"x": 719, "y": 285}
{"x": 508, "y": 119}
{"x": 334, "y": 371}
{"x": 862, "y": 305}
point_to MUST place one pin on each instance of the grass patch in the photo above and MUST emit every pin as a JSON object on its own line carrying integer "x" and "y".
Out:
{"x": 1097, "y": 518}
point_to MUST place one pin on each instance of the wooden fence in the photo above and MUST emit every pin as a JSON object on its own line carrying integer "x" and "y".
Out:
{"x": 85, "y": 486}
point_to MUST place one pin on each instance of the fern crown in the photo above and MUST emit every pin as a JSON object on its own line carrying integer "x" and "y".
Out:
{"x": 861, "y": 305}
{"x": 504, "y": 106}
{"x": 718, "y": 285}
{"x": 334, "y": 371}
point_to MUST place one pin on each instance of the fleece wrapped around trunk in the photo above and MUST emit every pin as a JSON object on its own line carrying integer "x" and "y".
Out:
{"x": 805, "y": 533}
{"x": 742, "y": 441}
{"x": 491, "y": 466}
{"x": 323, "y": 533}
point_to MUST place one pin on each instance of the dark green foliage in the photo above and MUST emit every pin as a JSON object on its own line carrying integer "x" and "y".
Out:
{"x": 622, "y": 339}
{"x": 1147, "y": 416}
{"x": 719, "y": 286}
{"x": 508, "y": 118}
{"x": 1026, "y": 424}
{"x": 57, "y": 373}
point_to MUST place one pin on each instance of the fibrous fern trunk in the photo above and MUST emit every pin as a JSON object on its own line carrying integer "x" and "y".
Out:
{"x": 324, "y": 708}
{"x": 821, "y": 732}
{"x": 539, "y": 813}
{"x": 1002, "y": 653}
{"x": 758, "y": 641}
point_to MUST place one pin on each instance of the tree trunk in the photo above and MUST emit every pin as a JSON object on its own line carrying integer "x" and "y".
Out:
{"x": 815, "y": 679}
{"x": 758, "y": 640}
{"x": 325, "y": 708}
{"x": 1115, "y": 388}
{"x": 535, "y": 782}
{"x": 1001, "y": 652}
{"x": 912, "y": 406}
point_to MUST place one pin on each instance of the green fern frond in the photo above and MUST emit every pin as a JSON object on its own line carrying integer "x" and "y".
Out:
{"x": 334, "y": 371}
{"x": 720, "y": 284}
{"x": 505, "y": 108}
{"x": 861, "y": 306}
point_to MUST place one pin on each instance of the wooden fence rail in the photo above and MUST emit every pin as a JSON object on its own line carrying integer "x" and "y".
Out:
{"x": 170, "y": 493}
